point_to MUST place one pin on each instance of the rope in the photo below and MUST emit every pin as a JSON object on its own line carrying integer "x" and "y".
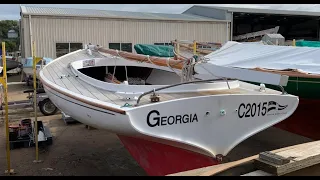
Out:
{"x": 148, "y": 57}
{"x": 178, "y": 54}
{"x": 124, "y": 67}
{"x": 126, "y": 74}
{"x": 168, "y": 64}
{"x": 115, "y": 67}
{"x": 186, "y": 71}
{"x": 203, "y": 59}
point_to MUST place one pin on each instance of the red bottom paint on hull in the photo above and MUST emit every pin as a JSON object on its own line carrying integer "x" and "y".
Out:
{"x": 159, "y": 159}
{"x": 305, "y": 121}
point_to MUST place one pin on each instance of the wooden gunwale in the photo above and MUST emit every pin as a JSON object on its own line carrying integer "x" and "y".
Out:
{"x": 84, "y": 100}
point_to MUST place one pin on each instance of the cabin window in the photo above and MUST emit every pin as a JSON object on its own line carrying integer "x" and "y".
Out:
{"x": 121, "y": 46}
{"x": 65, "y": 48}
{"x": 163, "y": 44}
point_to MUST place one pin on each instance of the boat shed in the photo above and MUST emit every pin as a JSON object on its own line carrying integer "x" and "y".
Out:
{"x": 295, "y": 21}
{"x": 58, "y": 31}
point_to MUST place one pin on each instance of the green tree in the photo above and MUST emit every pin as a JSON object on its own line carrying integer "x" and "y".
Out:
{"x": 11, "y": 46}
{"x": 5, "y": 26}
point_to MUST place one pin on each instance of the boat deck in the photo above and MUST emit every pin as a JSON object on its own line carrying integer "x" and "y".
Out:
{"x": 59, "y": 73}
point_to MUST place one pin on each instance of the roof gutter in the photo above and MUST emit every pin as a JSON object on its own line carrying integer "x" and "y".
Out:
{"x": 121, "y": 17}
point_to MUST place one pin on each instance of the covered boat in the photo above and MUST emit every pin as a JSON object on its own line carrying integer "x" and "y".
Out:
{"x": 171, "y": 115}
{"x": 154, "y": 50}
{"x": 11, "y": 64}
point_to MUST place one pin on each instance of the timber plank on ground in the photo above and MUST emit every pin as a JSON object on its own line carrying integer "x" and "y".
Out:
{"x": 304, "y": 152}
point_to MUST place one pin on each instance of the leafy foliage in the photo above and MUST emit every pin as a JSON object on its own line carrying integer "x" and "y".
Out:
{"x": 5, "y": 26}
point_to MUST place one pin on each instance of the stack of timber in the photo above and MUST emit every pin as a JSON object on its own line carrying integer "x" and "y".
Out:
{"x": 297, "y": 160}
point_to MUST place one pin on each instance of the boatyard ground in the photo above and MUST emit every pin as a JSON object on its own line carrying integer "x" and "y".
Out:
{"x": 79, "y": 151}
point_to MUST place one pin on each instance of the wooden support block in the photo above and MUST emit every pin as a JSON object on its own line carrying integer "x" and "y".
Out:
{"x": 273, "y": 158}
{"x": 309, "y": 171}
{"x": 89, "y": 127}
{"x": 299, "y": 157}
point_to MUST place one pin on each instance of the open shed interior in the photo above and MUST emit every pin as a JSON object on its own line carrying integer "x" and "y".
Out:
{"x": 291, "y": 27}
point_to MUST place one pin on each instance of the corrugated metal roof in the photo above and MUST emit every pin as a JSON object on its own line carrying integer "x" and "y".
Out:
{"x": 52, "y": 11}
{"x": 285, "y": 9}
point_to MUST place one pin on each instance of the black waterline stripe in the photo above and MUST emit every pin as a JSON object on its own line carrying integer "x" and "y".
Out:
{"x": 82, "y": 105}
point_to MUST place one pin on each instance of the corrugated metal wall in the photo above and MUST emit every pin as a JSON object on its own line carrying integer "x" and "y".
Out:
{"x": 48, "y": 31}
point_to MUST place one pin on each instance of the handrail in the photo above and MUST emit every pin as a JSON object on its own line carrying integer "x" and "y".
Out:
{"x": 282, "y": 90}
{"x": 190, "y": 82}
{"x": 169, "y": 86}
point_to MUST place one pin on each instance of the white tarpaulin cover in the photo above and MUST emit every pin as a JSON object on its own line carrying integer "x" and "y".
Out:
{"x": 247, "y": 55}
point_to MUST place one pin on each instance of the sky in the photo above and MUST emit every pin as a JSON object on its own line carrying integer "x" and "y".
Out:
{"x": 11, "y": 11}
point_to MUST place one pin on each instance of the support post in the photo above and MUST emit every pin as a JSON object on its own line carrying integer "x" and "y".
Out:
{"x": 231, "y": 27}
{"x": 3, "y": 80}
{"x": 194, "y": 47}
{"x": 34, "y": 66}
{"x": 178, "y": 47}
{"x": 293, "y": 42}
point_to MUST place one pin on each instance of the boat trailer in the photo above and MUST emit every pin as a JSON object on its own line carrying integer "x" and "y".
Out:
{"x": 45, "y": 105}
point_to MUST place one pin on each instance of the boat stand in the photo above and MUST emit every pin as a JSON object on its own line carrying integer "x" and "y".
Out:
{"x": 67, "y": 119}
{"x": 3, "y": 81}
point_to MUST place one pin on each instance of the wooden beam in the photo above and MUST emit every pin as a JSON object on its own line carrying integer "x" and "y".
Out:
{"x": 310, "y": 171}
{"x": 300, "y": 157}
{"x": 214, "y": 170}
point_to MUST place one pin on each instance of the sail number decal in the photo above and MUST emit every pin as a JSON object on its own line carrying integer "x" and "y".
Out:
{"x": 251, "y": 110}
{"x": 259, "y": 109}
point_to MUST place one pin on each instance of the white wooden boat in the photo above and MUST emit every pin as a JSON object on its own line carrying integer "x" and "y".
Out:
{"x": 194, "y": 124}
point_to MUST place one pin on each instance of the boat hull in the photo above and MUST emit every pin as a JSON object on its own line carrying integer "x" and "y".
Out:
{"x": 305, "y": 120}
{"x": 216, "y": 134}
{"x": 11, "y": 64}
{"x": 204, "y": 127}
{"x": 159, "y": 159}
